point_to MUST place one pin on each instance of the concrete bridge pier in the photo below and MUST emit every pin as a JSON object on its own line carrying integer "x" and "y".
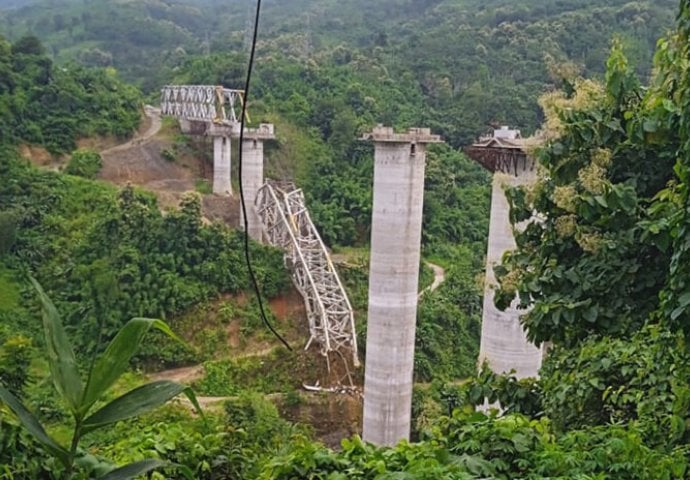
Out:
{"x": 221, "y": 165}
{"x": 399, "y": 161}
{"x": 253, "y": 174}
{"x": 504, "y": 343}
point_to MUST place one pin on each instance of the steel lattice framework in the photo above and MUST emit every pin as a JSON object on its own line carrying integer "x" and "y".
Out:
{"x": 202, "y": 102}
{"x": 287, "y": 224}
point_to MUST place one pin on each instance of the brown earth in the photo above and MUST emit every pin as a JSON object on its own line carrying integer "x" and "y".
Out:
{"x": 140, "y": 162}
{"x": 221, "y": 209}
{"x": 101, "y": 143}
{"x": 333, "y": 416}
{"x": 40, "y": 157}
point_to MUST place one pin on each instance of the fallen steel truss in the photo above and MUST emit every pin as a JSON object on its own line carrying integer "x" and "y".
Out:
{"x": 287, "y": 224}
{"x": 202, "y": 102}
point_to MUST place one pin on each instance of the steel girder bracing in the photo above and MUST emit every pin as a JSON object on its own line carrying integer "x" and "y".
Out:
{"x": 202, "y": 102}
{"x": 287, "y": 224}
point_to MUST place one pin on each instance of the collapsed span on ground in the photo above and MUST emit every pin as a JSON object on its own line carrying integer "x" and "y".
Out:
{"x": 276, "y": 212}
{"x": 282, "y": 209}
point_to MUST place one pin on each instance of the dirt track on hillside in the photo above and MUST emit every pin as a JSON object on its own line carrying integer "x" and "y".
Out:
{"x": 140, "y": 162}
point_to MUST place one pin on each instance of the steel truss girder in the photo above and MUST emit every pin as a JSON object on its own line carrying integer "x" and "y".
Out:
{"x": 202, "y": 102}
{"x": 287, "y": 225}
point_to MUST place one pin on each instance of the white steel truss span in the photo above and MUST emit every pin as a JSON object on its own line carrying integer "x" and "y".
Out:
{"x": 202, "y": 102}
{"x": 287, "y": 224}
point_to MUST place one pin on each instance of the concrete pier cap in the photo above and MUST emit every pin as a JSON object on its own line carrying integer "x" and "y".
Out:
{"x": 396, "y": 230}
{"x": 381, "y": 133}
{"x": 265, "y": 131}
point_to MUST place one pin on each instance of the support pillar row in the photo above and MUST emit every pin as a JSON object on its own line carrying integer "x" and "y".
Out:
{"x": 399, "y": 162}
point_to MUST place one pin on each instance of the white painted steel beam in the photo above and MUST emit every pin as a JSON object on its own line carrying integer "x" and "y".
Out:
{"x": 286, "y": 224}
{"x": 202, "y": 102}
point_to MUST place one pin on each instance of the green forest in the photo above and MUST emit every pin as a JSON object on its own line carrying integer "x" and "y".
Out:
{"x": 87, "y": 264}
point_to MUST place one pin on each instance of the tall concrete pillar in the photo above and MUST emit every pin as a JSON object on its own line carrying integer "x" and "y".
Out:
{"x": 221, "y": 165}
{"x": 252, "y": 180}
{"x": 399, "y": 161}
{"x": 253, "y": 174}
{"x": 504, "y": 344}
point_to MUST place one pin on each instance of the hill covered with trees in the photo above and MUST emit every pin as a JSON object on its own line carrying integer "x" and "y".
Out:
{"x": 472, "y": 63}
{"x": 604, "y": 269}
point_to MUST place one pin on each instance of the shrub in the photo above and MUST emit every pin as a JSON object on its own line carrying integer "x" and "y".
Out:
{"x": 8, "y": 231}
{"x": 203, "y": 186}
{"x": 643, "y": 379}
{"x": 169, "y": 154}
{"x": 84, "y": 163}
{"x": 15, "y": 356}
{"x": 83, "y": 398}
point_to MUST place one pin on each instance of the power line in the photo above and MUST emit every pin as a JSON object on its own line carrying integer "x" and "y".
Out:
{"x": 247, "y": 256}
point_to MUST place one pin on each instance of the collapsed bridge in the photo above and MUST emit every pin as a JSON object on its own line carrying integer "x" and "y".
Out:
{"x": 288, "y": 225}
{"x": 276, "y": 213}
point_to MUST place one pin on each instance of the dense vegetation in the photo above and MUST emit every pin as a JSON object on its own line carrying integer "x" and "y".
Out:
{"x": 113, "y": 255}
{"x": 51, "y": 106}
{"x": 604, "y": 267}
{"x": 471, "y": 62}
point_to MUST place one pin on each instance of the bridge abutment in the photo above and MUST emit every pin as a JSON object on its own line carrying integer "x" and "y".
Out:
{"x": 399, "y": 162}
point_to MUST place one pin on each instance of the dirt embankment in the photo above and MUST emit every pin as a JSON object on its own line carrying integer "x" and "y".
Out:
{"x": 140, "y": 162}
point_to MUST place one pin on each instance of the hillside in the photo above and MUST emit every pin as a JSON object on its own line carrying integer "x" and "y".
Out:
{"x": 601, "y": 268}
{"x": 473, "y": 63}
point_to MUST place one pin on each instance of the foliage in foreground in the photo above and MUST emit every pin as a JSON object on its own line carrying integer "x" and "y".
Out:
{"x": 472, "y": 445}
{"x": 83, "y": 398}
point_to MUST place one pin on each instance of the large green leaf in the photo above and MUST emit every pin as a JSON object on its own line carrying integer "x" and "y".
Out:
{"x": 137, "y": 401}
{"x": 136, "y": 469}
{"x": 32, "y": 425}
{"x": 63, "y": 365}
{"x": 116, "y": 357}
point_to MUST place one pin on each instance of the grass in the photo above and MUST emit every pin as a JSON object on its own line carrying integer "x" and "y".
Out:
{"x": 202, "y": 186}
{"x": 280, "y": 371}
{"x": 9, "y": 290}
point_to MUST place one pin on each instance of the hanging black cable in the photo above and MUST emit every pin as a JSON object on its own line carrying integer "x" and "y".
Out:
{"x": 247, "y": 256}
